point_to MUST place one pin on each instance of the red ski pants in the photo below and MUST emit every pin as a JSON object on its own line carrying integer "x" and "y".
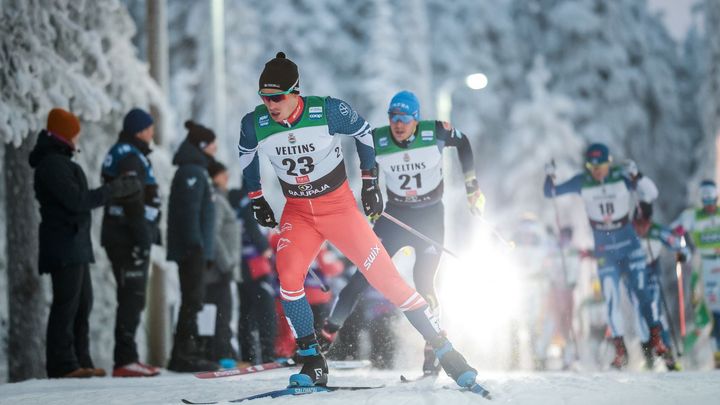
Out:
{"x": 307, "y": 222}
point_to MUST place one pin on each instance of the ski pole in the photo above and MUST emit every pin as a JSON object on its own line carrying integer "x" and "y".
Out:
{"x": 681, "y": 291}
{"x": 508, "y": 243}
{"x": 562, "y": 258}
{"x": 323, "y": 286}
{"x": 666, "y": 308}
{"x": 418, "y": 234}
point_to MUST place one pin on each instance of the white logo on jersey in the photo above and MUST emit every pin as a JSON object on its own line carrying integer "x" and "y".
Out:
{"x": 344, "y": 109}
{"x": 191, "y": 181}
{"x": 286, "y": 227}
{"x": 383, "y": 142}
{"x": 315, "y": 110}
{"x": 426, "y": 135}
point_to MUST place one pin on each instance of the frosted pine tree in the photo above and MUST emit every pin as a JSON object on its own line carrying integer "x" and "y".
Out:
{"x": 78, "y": 56}
{"x": 541, "y": 130}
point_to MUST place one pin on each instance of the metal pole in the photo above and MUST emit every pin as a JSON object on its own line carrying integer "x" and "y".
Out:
{"x": 419, "y": 235}
{"x": 158, "y": 58}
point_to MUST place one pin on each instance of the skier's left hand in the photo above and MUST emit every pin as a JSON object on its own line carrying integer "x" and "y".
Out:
{"x": 371, "y": 196}
{"x": 475, "y": 197}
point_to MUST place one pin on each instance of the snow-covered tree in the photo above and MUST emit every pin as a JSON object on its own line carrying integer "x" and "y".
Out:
{"x": 709, "y": 96}
{"x": 71, "y": 54}
{"x": 541, "y": 131}
{"x": 620, "y": 67}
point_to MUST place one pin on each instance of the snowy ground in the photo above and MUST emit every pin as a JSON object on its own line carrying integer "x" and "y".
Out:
{"x": 508, "y": 388}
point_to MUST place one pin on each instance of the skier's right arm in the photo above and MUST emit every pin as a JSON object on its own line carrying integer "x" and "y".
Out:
{"x": 250, "y": 165}
{"x": 574, "y": 185}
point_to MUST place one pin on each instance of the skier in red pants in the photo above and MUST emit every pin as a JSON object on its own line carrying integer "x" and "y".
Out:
{"x": 301, "y": 138}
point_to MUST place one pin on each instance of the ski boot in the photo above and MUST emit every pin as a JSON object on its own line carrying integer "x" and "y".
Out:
{"x": 431, "y": 365}
{"x": 656, "y": 341}
{"x": 648, "y": 354}
{"x": 315, "y": 369}
{"x": 621, "y": 356}
{"x": 458, "y": 369}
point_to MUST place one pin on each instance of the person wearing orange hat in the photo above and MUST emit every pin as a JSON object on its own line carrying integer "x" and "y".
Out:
{"x": 65, "y": 247}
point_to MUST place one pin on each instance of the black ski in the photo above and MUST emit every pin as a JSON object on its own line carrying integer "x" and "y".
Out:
{"x": 287, "y": 392}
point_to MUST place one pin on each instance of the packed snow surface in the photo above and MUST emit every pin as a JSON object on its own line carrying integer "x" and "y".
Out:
{"x": 614, "y": 388}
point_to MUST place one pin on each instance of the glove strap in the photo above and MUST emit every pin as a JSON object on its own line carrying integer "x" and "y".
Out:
{"x": 371, "y": 174}
{"x": 255, "y": 194}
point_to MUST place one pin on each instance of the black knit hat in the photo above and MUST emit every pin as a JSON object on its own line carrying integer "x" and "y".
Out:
{"x": 280, "y": 73}
{"x": 215, "y": 168}
{"x": 199, "y": 135}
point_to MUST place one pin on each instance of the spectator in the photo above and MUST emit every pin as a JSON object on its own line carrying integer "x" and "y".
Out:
{"x": 191, "y": 219}
{"x": 128, "y": 231}
{"x": 226, "y": 267}
{"x": 65, "y": 247}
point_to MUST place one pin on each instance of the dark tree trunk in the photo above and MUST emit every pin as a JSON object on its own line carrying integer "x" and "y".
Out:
{"x": 27, "y": 303}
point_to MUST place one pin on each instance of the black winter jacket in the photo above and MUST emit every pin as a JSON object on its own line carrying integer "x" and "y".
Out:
{"x": 191, "y": 211}
{"x": 131, "y": 223}
{"x": 61, "y": 188}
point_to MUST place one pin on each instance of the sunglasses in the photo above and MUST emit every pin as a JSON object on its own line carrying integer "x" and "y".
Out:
{"x": 275, "y": 97}
{"x": 404, "y": 118}
{"x": 591, "y": 166}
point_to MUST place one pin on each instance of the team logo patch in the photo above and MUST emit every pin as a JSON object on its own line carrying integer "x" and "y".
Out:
{"x": 344, "y": 109}
{"x": 264, "y": 120}
{"x": 315, "y": 113}
{"x": 383, "y": 142}
{"x": 427, "y": 135}
{"x": 302, "y": 179}
{"x": 406, "y": 157}
{"x": 283, "y": 243}
{"x": 291, "y": 138}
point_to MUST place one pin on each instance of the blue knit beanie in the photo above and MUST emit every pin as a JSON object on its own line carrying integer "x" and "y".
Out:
{"x": 136, "y": 121}
{"x": 405, "y": 102}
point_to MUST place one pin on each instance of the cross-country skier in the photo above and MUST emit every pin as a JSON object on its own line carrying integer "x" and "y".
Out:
{"x": 653, "y": 237}
{"x": 606, "y": 191}
{"x": 409, "y": 151}
{"x": 703, "y": 227}
{"x": 301, "y": 138}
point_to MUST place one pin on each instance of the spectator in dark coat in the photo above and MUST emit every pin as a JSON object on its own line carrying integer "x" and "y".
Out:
{"x": 219, "y": 278}
{"x": 128, "y": 231}
{"x": 61, "y": 188}
{"x": 191, "y": 220}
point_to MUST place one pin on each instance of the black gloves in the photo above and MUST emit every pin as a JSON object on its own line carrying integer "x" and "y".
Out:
{"x": 371, "y": 197}
{"x": 261, "y": 210}
{"x": 125, "y": 188}
{"x": 681, "y": 257}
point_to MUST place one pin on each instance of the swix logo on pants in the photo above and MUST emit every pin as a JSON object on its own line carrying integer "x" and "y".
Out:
{"x": 374, "y": 251}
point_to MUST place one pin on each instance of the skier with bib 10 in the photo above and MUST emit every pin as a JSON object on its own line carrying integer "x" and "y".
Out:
{"x": 607, "y": 193}
{"x": 301, "y": 137}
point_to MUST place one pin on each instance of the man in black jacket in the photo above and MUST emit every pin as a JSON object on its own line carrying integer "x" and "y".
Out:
{"x": 190, "y": 232}
{"x": 128, "y": 231}
{"x": 65, "y": 248}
